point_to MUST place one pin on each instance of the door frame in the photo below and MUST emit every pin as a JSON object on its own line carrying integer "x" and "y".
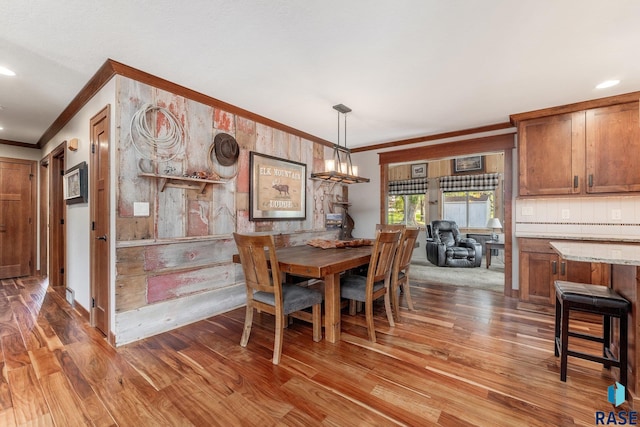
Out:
{"x": 503, "y": 143}
{"x": 57, "y": 213}
{"x": 43, "y": 269}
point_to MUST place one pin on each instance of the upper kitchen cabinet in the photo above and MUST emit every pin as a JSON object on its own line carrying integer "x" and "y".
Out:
{"x": 584, "y": 151}
{"x": 612, "y": 144}
{"x": 551, "y": 154}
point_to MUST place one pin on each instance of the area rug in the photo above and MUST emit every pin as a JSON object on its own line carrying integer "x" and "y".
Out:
{"x": 477, "y": 277}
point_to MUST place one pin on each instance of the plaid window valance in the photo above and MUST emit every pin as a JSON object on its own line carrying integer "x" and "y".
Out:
{"x": 408, "y": 186}
{"x": 486, "y": 181}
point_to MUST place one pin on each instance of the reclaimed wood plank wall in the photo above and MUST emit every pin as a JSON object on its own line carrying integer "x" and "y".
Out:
{"x": 184, "y": 247}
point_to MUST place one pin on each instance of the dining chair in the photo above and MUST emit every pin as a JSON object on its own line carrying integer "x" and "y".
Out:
{"x": 401, "y": 264}
{"x": 377, "y": 281}
{"x": 390, "y": 227}
{"x": 266, "y": 292}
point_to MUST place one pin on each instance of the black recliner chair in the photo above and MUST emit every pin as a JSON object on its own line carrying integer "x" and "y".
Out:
{"x": 447, "y": 247}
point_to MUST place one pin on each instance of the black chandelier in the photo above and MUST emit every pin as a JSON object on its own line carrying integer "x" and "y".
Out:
{"x": 340, "y": 169}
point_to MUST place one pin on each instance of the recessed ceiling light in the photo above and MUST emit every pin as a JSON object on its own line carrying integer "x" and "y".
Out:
{"x": 1, "y": 128}
{"x": 6, "y": 72}
{"x": 607, "y": 83}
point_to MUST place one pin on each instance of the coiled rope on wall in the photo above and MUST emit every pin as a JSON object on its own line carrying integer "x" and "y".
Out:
{"x": 163, "y": 148}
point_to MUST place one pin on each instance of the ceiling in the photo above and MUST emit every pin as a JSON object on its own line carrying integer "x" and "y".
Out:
{"x": 407, "y": 68}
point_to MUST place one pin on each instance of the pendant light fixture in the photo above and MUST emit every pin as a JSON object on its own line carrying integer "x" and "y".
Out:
{"x": 340, "y": 168}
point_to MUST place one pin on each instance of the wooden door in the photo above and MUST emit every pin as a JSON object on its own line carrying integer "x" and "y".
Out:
{"x": 17, "y": 217}
{"x": 551, "y": 155}
{"x": 99, "y": 201}
{"x": 613, "y": 144}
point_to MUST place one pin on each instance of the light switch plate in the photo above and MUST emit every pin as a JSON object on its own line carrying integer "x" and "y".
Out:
{"x": 140, "y": 209}
{"x": 527, "y": 211}
{"x": 566, "y": 214}
{"x": 616, "y": 214}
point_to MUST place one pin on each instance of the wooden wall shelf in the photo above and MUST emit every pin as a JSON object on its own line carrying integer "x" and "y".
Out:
{"x": 181, "y": 181}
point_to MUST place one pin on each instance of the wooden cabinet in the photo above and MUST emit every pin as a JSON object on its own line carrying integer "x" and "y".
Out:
{"x": 551, "y": 158}
{"x": 581, "y": 152}
{"x": 541, "y": 266}
{"x": 612, "y": 146}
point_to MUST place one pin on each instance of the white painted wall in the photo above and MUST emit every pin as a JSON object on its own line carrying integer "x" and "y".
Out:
{"x": 15, "y": 152}
{"x": 365, "y": 197}
{"x": 77, "y": 269}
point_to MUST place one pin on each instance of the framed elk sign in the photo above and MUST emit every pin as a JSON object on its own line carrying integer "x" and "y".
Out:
{"x": 277, "y": 189}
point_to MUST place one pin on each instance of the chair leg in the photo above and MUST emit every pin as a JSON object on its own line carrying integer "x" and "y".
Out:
{"x": 368, "y": 309}
{"x": 387, "y": 307}
{"x": 406, "y": 290}
{"x": 248, "y": 320}
{"x": 316, "y": 314}
{"x": 352, "y": 307}
{"x": 395, "y": 300}
{"x": 277, "y": 343}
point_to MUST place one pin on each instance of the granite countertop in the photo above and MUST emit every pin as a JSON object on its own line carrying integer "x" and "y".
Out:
{"x": 609, "y": 253}
{"x": 608, "y": 239}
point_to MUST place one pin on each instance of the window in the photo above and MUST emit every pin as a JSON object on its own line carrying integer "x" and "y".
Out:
{"x": 406, "y": 209}
{"x": 469, "y": 209}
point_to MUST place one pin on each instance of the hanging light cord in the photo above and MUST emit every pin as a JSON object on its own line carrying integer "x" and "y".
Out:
{"x": 171, "y": 142}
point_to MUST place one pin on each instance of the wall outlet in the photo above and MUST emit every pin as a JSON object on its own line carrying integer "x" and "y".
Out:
{"x": 566, "y": 214}
{"x": 616, "y": 214}
{"x": 527, "y": 211}
{"x": 140, "y": 209}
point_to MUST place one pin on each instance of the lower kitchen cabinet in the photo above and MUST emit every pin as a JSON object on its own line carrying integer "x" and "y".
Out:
{"x": 541, "y": 266}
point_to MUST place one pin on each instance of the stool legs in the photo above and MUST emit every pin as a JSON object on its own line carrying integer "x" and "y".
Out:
{"x": 623, "y": 349}
{"x": 557, "y": 333}
{"x": 564, "y": 339}
{"x": 561, "y": 345}
{"x": 606, "y": 341}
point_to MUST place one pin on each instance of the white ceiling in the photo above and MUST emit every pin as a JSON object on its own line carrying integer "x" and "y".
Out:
{"x": 407, "y": 68}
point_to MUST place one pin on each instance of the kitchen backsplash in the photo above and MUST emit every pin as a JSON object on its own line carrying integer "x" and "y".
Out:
{"x": 597, "y": 218}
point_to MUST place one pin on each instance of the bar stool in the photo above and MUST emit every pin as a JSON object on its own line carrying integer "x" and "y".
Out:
{"x": 590, "y": 299}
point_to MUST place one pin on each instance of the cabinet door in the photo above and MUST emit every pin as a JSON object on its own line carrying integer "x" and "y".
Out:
{"x": 613, "y": 144}
{"x": 551, "y": 154}
{"x": 538, "y": 271}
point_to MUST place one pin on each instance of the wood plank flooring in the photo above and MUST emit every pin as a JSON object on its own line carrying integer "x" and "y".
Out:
{"x": 464, "y": 357}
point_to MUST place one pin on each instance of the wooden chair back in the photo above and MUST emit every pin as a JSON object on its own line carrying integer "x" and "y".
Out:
{"x": 390, "y": 227}
{"x": 405, "y": 249}
{"x": 382, "y": 255}
{"x": 259, "y": 263}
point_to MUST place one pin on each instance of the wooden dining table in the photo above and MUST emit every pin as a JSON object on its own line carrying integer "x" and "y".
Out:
{"x": 327, "y": 265}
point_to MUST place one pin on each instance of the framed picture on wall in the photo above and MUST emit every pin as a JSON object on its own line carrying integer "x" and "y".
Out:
{"x": 277, "y": 189}
{"x": 468, "y": 164}
{"x": 75, "y": 184}
{"x": 419, "y": 170}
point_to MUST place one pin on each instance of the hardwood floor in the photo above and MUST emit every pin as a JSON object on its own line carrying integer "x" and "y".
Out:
{"x": 464, "y": 357}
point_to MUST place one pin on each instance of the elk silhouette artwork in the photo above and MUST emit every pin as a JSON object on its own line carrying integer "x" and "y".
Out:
{"x": 277, "y": 188}
{"x": 282, "y": 188}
